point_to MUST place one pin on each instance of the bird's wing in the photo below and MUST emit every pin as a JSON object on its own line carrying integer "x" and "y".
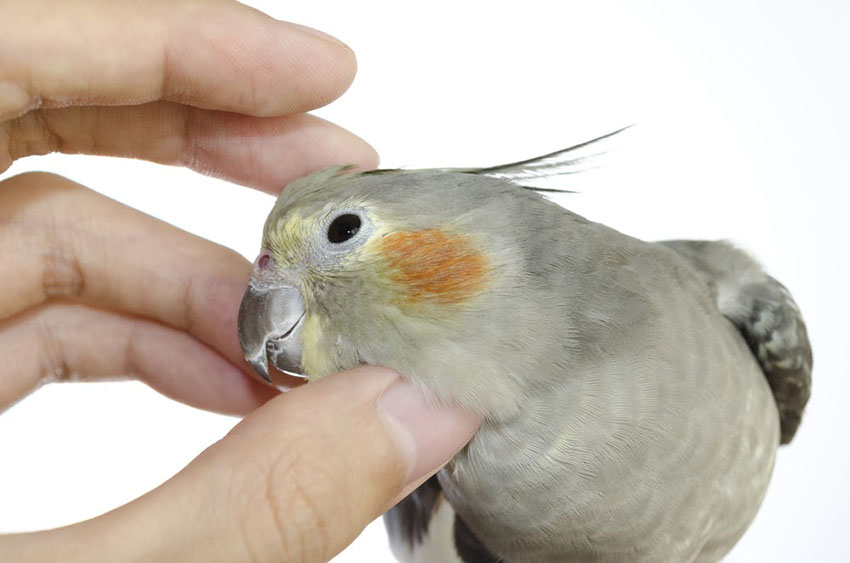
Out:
{"x": 423, "y": 528}
{"x": 766, "y": 315}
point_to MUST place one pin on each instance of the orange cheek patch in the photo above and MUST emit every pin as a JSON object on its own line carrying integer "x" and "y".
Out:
{"x": 432, "y": 265}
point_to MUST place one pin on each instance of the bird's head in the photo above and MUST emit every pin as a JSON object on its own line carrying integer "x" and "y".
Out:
{"x": 412, "y": 271}
{"x": 438, "y": 274}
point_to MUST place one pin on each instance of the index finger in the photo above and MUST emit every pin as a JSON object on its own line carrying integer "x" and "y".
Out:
{"x": 215, "y": 54}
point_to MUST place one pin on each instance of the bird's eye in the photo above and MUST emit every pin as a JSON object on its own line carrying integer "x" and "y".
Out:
{"x": 343, "y": 228}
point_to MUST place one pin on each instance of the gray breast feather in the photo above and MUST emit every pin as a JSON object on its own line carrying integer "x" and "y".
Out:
{"x": 766, "y": 315}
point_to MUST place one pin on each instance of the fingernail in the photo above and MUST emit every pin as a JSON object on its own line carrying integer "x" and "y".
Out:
{"x": 429, "y": 434}
{"x": 319, "y": 34}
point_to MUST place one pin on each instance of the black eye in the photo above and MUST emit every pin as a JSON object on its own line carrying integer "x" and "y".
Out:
{"x": 343, "y": 228}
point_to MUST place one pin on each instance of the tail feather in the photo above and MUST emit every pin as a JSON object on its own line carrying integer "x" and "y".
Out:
{"x": 768, "y": 318}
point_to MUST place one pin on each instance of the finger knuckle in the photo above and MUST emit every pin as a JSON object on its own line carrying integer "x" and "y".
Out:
{"x": 54, "y": 366}
{"x": 62, "y": 275}
{"x": 33, "y": 133}
{"x": 15, "y": 99}
{"x": 54, "y": 244}
{"x": 187, "y": 305}
{"x": 5, "y": 148}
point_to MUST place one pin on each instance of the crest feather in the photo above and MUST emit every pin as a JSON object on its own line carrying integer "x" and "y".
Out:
{"x": 572, "y": 160}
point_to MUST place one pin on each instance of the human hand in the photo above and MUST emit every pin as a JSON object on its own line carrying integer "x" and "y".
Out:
{"x": 91, "y": 289}
{"x": 212, "y": 85}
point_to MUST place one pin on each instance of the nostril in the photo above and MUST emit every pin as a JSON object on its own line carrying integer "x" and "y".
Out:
{"x": 263, "y": 260}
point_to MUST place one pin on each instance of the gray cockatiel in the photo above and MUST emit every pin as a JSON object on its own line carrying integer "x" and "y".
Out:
{"x": 633, "y": 393}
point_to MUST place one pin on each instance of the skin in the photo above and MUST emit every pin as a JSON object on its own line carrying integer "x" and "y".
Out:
{"x": 171, "y": 90}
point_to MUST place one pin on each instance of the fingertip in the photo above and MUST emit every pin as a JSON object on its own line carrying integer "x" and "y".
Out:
{"x": 362, "y": 385}
{"x": 301, "y": 477}
{"x": 316, "y": 67}
{"x": 343, "y": 144}
{"x": 255, "y": 65}
{"x": 311, "y": 143}
{"x": 318, "y": 33}
{"x": 213, "y": 55}
{"x": 269, "y": 153}
{"x": 425, "y": 431}
{"x": 340, "y": 60}
{"x": 428, "y": 432}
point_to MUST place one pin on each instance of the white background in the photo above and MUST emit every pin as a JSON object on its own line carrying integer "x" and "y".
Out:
{"x": 742, "y": 113}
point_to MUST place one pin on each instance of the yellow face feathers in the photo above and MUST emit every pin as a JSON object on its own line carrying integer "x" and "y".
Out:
{"x": 313, "y": 359}
{"x": 285, "y": 239}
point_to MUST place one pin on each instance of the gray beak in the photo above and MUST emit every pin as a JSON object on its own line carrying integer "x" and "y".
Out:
{"x": 270, "y": 323}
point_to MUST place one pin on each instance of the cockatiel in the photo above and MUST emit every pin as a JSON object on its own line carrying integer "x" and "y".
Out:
{"x": 633, "y": 393}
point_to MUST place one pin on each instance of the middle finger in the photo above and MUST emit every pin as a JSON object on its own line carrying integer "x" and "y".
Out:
{"x": 74, "y": 342}
{"x": 60, "y": 240}
{"x": 266, "y": 153}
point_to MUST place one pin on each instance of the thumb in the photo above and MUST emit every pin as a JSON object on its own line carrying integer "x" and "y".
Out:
{"x": 296, "y": 480}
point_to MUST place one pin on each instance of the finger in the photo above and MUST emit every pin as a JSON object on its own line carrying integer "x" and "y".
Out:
{"x": 72, "y": 342}
{"x": 261, "y": 152}
{"x": 60, "y": 240}
{"x": 297, "y": 480}
{"x": 211, "y": 54}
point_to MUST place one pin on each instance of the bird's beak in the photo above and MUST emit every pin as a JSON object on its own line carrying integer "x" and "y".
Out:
{"x": 270, "y": 321}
